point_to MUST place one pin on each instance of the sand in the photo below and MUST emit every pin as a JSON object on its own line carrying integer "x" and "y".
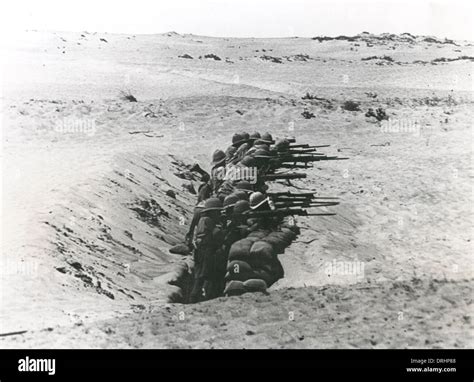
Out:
{"x": 87, "y": 223}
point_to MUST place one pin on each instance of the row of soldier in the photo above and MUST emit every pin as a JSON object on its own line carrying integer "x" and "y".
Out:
{"x": 235, "y": 210}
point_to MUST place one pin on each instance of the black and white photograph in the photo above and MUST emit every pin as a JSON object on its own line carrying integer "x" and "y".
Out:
{"x": 237, "y": 174}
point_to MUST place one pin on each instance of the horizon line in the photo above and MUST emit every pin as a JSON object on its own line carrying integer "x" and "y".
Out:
{"x": 241, "y": 37}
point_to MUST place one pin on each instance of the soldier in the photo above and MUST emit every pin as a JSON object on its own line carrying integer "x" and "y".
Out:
{"x": 260, "y": 202}
{"x": 281, "y": 145}
{"x": 229, "y": 153}
{"x": 238, "y": 139}
{"x": 232, "y": 232}
{"x": 218, "y": 170}
{"x": 235, "y": 226}
{"x": 267, "y": 138}
{"x": 242, "y": 195}
{"x": 241, "y": 143}
{"x": 204, "y": 190}
{"x": 244, "y": 186}
{"x": 243, "y": 148}
{"x": 248, "y": 161}
{"x": 254, "y": 136}
{"x": 196, "y": 216}
{"x": 264, "y": 159}
{"x": 207, "y": 243}
{"x": 207, "y": 189}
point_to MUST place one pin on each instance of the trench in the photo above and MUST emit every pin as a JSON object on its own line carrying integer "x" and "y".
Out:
{"x": 112, "y": 235}
{"x": 113, "y": 238}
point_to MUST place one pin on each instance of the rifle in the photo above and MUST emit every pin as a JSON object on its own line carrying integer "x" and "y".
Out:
{"x": 309, "y": 158}
{"x": 307, "y": 146}
{"x": 288, "y": 193}
{"x": 300, "y": 151}
{"x": 302, "y": 203}
{"x": 301, "y": 198}
{"x": 287, "y": 165}
{"x": 296, "y": 153}
{"x": 283, "y": 212}
{"x": 270, "y": 177}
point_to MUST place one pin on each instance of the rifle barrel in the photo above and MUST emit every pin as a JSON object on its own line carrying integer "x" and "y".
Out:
{"x": 284, "y": 176}
{"x": 298, "y": 151}
{"x": 285, "y": 212}
{"x": 289, "y": 193}
{"x": 287, "y": 165}
{"x": 298, "y": 197}
{"x": 277, "y": 212}
{"x": 307, "y": 204}
{"x": 306, "y": 146}
{"x": 313, "y": 158}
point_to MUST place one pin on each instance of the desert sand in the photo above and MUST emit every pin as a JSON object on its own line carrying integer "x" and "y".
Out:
{"x": 88, "y": 217}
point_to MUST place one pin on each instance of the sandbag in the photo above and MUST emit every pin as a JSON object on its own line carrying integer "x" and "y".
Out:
{"x": 281, "y": 236}
{"x": 235, "y": 288}
{"x": 289, "y": 233}
{"x": 261, "y": 253}
{"x": 277, "y": 244}
{"x": 240, "y": 250}
{"x": 265, "y": 276}
{"x": 258, "y": 234}
{"x": 255, "y": 285}
{"x": 241, "y": 276}
{"x": 292, "y": 227}
{"x": 238, "y": 266}
{"x": 267, "y": 267}
{"x": 277, "y": 269}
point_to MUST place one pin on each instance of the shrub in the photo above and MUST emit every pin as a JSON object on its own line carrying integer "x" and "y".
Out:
{"x": 351, "y": 106}
{"x": 127, "y": 96}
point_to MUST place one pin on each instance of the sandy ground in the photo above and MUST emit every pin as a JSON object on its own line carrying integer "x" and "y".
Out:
{"x": 87, "y": 222}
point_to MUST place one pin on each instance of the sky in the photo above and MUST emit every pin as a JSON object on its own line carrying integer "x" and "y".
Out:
{"x": 243, "y": 18}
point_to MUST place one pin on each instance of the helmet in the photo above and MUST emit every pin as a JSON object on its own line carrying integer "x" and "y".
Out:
{"x": 282, "y": 145}
{"x": 245, "y": 136}
{"x": 261, "y": 153}
{"x": 255, "y": 135}
{"x": 259, "y": 143}
{"x": 241, "y": 206}
{"x": 238, "y": 139}
{"x": 243, "y": 185}
{"x": 257, "y": 199}
{"x": 218, "y": 157}
{"x": 247, "y": 161}
{"x": 230, "y": 200}
{"x": 212, "y": 204}
{"x": 267, "y": 138}
{"x": 242, "y": 195}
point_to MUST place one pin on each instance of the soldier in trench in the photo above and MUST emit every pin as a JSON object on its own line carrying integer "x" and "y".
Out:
{"x": 207, "y": 247}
